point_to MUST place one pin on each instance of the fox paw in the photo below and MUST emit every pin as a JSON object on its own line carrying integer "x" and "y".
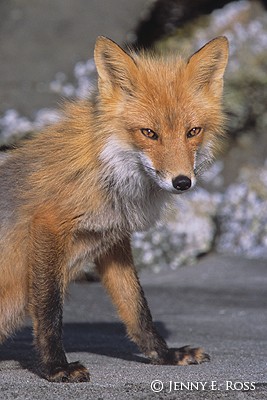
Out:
{"x": 70, "y": 373}
{"x": 187, "y": 356}
{"x": 183, "y": 356}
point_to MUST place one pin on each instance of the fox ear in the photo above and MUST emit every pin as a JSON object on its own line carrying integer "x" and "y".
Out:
{"x": 114, "y": 66}
{"x": 207, "y": 66}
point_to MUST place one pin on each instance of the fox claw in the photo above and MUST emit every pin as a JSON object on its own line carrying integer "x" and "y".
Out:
{"x": 73, "y": 372}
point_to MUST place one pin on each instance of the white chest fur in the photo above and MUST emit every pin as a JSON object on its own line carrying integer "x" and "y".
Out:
{"x": 136, "y": 200}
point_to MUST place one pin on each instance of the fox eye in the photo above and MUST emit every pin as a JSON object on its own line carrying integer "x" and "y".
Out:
{"x": 193, "y": 132}
{"x": 149, "y": 133}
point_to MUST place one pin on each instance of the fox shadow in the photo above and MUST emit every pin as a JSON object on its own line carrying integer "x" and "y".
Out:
{"x": 101, "y": 338}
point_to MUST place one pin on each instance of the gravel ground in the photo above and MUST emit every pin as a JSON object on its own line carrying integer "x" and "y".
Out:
{"x": 220, "y": 304}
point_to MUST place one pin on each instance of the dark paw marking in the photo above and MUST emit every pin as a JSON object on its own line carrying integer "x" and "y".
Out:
{"x": 183, "y": 356}
{"x": 70, "y": 373}
{"x": 187, "y": 355}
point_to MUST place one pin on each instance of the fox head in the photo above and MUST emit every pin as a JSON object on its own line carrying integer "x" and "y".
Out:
{"x": 165, "y": 110}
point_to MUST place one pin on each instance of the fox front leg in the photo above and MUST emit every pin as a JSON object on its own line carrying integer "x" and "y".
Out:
{"x": 46, "y": 290}
{"x": 119, "y": 276}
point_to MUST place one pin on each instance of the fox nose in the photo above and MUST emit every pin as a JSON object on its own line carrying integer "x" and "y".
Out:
{"x": 181, "y": 182}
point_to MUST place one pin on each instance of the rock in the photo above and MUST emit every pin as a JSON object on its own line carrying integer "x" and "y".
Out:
{"x": 188, "y": 231}
{"x": 242, "y": 215}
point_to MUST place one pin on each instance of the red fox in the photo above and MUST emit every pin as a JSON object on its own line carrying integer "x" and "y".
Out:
{"x": 77, "y": 191}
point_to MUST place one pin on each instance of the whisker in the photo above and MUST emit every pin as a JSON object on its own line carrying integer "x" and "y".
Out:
{"x": 203, "y": 166}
